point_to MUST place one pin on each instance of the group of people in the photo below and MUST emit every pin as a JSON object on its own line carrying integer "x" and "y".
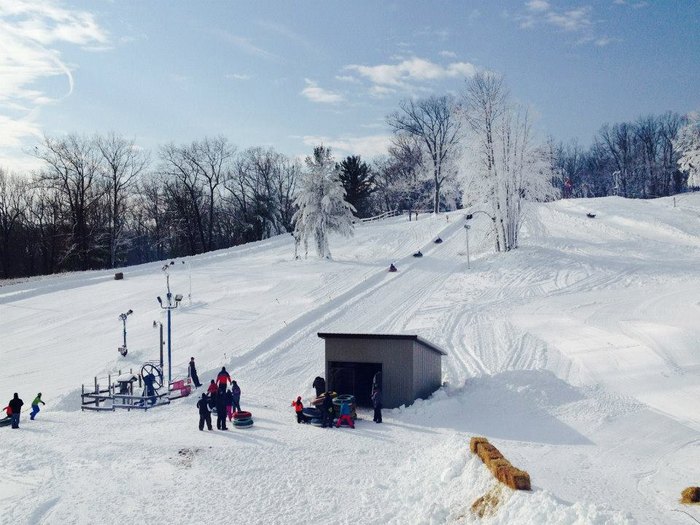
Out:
{"x": 219, "y": 397}
{"x": 345, "y": 409}
{"x": 14, "y": 408}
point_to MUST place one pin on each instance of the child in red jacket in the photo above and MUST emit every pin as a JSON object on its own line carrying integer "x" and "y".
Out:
{"x": 299, "y": 407}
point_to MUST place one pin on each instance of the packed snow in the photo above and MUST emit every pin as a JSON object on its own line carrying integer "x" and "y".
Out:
{"x": 576, "y": 355}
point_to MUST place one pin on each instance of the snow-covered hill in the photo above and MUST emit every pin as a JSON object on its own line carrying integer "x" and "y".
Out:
{"x": 577, "y": 355}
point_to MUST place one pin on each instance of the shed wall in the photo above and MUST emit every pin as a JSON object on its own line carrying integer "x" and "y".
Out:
{"x": 427, "y": 371}
{"x": 395, "y": 355}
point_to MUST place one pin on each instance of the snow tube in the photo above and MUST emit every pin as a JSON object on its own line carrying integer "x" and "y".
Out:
{"x": 319, "y": 400}
{"x": 243, "y": 423}
{"x": 242, "y": 415}
{"x": 5, "y": 421}
{"x": 418, "y": 254}
{"x": 313, "y": 413}
{"x": 438, "y": 240}
{"x": 344, "y": 398}
{"x": 316, "y": 422}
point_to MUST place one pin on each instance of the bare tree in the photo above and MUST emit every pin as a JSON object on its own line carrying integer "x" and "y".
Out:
{"x": 73, "y": 168}
{"x": 123, "y": 164}
{"x": 434, "y": 124}
{"x": 13, "y": 205}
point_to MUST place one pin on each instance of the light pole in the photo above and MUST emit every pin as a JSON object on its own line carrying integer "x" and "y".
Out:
{"x": 122, "y": 318}
{"x": 468, "y": 217}
{"x": 169, "y": 306}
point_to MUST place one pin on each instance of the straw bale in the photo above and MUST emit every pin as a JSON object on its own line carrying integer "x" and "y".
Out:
{"x": 487, "y": 452}
{"x": 690, "y": 495}
{"x": 518, "y": 479}
{"x": 495, "y": 464}
{"x": 474, "y": 441}
{"x": 488, "y": 504}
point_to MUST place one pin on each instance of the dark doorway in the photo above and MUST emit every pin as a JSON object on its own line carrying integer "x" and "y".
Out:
{"x": 353, "y": 378}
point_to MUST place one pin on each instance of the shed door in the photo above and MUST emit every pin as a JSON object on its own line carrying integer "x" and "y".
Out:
{"x": 353, "y": 378}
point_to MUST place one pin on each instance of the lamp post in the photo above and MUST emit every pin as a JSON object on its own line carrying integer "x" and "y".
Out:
{"x": 466, "y": 231}
{"x": 122, "y": 318}
{"x": 170, "y": 304}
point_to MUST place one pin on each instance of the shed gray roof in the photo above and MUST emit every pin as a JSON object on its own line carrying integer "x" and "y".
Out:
{"x": 427, "y": 344}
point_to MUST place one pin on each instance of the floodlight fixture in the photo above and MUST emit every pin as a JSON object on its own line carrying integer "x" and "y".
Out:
{"x": 160, "y": 301}
{"x": 178, "y": 298}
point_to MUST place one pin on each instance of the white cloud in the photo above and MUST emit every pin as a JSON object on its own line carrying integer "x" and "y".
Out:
{"x": 573, "y": 20}
{"x": 347, "y": 78}
{"x": 317, "y": 94}
{"x": 413, "y": 69}
{"x": 238, "y": 76}
{"x": 243, "y": 44}
{"x": 368, "y": 146}
{"x": 537, "y": 5}
{"x": 448, "y": 54}
{"x": 29, "y": 30}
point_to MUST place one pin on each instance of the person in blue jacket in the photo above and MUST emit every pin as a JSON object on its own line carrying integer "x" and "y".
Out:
{"x": 345, "y": 416}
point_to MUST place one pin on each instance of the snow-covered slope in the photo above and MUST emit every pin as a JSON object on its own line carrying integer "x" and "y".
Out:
{"x": 576, "y": 355}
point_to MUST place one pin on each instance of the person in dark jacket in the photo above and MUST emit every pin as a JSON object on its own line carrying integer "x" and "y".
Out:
{"x": 319, "y": 385}
{"x": 235, "y": 396}
{"x": 229, "y": 404}
{"x": 204, "y": 414}
{"x": 221, "y": 412}
{"x": 193, "y": 373}
{"x": 327, "y": 411}
{"x": 35, "y": 406}
{"x": 16, "y": 406}
{"x": 377, "y": 404}
{"x": 149, "y": 390}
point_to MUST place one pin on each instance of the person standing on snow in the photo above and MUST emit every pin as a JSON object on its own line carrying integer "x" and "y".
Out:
{"x": 223, "y": 378}
{"x": 236, "y": 396}
{"x": 221, "y": 411}
{"x": 377, "y": 404}
{"x": 345, "y": 416}
{"x": 212, "y": 394}
{"x": 204, "y": 414}
{"x": 229, "y": 404}
{"x": 193, "y": 373}
{"x": 299, "y": 409}
{"x": 35, "y": 406}
{"x": 327, "y": 411}
{"x": 15, "y": 405}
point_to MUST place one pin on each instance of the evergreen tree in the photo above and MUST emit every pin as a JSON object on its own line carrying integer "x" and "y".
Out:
{"x": 322, "y": 208}
{"x": 358, "y": 181}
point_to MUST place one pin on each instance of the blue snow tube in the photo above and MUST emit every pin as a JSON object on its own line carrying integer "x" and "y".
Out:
{"x": 5, "y": 421}
{"x": 317, "y": 422}
{"x": 313, "y": 413}
{"x": 243, "y": 423}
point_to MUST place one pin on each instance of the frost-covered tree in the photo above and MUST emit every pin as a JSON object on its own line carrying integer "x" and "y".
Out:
{"x": 688, "y": 143}
{"x": 504, "y": 167}
{"x": 322, "y": 208}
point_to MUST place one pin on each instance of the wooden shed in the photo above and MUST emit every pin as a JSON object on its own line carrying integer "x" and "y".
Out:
{"x": 410, "y": 366}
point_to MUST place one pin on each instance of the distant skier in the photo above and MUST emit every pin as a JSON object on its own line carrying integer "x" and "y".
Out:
{"x": 299, "y": 409}
{"x": 327, "y": 411}
{"x": 15, "y": 405}
{"x": 204, "y": 414}
{"x": 236, "y": 396}
{"x": 193, "y": 373}
{"x": 377, "y": 404}
{"x": 221, "y": 412}
{"x": 223, "y": 378}
{"x": 345, "y": 416}
{"x": 320, "y": 386}
{"x": 35, "y": 406}
{"x": 392, "y": 268}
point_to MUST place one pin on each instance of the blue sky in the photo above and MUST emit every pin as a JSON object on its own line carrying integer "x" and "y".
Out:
{"x": 292, "y": 74}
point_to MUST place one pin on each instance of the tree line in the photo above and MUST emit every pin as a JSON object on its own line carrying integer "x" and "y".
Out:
{"x": 102, "y": 202}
